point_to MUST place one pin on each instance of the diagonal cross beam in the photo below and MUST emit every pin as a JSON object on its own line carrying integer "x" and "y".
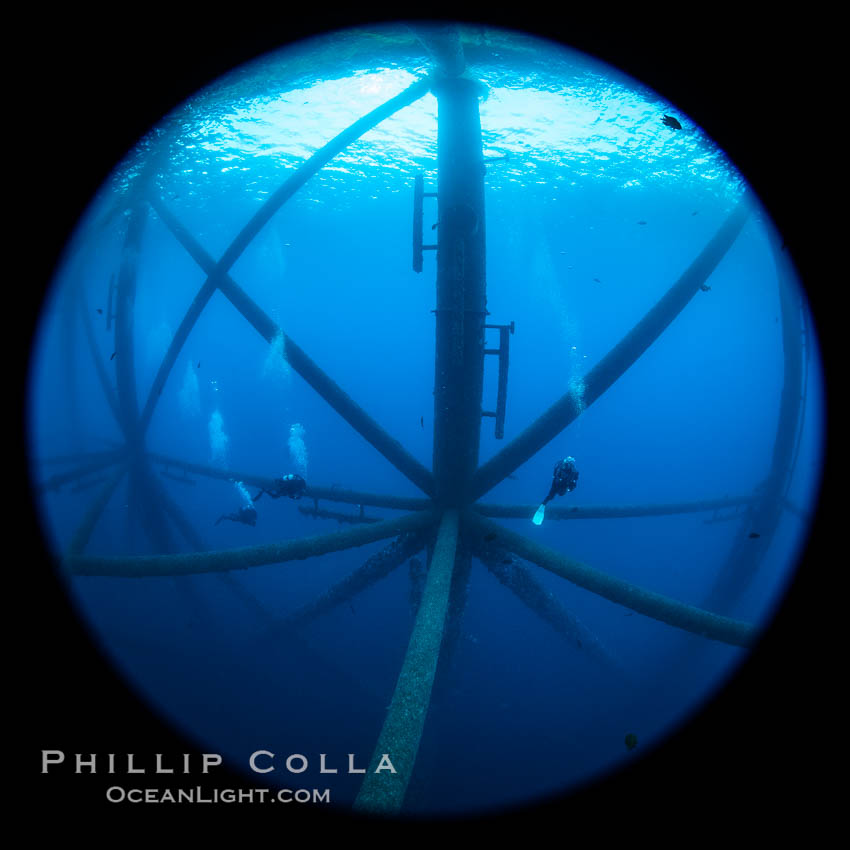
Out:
{"x": 544, "y": 603}
{"x": 615, "y": 363}
{"x": 376, "y": 568}
{"x": 218, "y": 278}
{"x": 647, "y": 602}
{"x": 330, "y": 391}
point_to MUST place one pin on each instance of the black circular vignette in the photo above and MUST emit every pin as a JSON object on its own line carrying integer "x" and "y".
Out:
{"x": 754, "y": 750}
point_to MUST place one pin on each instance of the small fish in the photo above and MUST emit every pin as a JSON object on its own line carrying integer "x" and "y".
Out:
{"x": 491, "y": 536}
{"x": 597, "y": 280}
{"x": 513, "y": 478}
{"x": 350, "y": 605}
{"x": 705, "y": 287}
{"x": 100, "y": 311}
{"x": 199, "y": 364}
{"x": 435, "y": 225}
{"x": 578, "y": 643}
{"x": 629, "y": 614}
{"x": 753, "y": 535}
{"x": 695, "y": 212}
{"x": 670, "y": 121}
{"x": 507, "y": 560}
{"x": 631, "y": 741}
{"x": 641, "y": 222}
{"x": 112, "y": 355}
{"x": 422, "y": 421}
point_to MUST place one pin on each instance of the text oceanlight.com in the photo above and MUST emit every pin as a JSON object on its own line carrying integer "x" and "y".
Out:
{"x": 117, "y": 794}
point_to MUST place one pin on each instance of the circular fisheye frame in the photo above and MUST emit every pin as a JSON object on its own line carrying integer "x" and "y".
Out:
{"x": 426, "y": 420}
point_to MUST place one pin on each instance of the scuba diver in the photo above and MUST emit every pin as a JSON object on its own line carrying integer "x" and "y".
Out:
{"x": 246, "y": 515}
{"x": 564, "y": 479}
{"x": 290, "y": 485}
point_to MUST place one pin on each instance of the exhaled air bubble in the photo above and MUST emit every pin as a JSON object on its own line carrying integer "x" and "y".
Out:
{"x": 218, "y": 440}
{"x": 190, "y": 394}
{"x": 276, "y": 366}
{"x": 297, "y": 449}
{"x": 244, "y": 494}
{"x": 576, "y": 389}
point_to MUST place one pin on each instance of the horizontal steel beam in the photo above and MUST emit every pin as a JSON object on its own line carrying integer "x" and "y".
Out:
{"x": 193, "y": 563}
{"x": 105, "y": 459}
{"x": 609, "y": 511}
{"x": 654, "y": 605}
{"x": 330, "y": 494}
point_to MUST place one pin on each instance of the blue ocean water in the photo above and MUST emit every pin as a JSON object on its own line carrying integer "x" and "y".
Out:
{"x": 593, "y": 209}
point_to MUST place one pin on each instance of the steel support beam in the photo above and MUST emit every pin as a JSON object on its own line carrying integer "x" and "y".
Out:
{"x": 100, "y": 370}
{"x": 102, "y": 461}
{"x": 443, "y": 44}
{"x": 330, "y": 494}
{"x": 517, "y": 578}
{"x": 317, "y": 161}
{"x": 81, "y": 536}
{"x": 383, "y": 789}
{"x": 615, "y": 362}
{"x": 328, "y": 389}
{"x": 249, "y": 556}
{"x": 766, "y": 509}
{"x": 655, "y": 605}
{"x": 461, "y": 290}
{"x": 376, "y": 567}
{"x": 609, "y": 511}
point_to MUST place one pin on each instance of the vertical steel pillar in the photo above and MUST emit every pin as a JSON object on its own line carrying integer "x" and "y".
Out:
{"x": 461, "y": 289}
{"x": 765, "y": 514}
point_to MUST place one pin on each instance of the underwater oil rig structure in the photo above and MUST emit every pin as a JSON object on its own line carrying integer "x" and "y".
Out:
{"x": 450, "y": 521}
